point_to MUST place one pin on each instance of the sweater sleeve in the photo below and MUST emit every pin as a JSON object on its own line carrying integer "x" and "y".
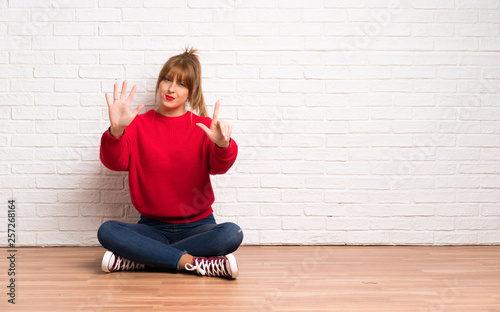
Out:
{"x": 221, "y": 159}
{"x": 115, "y": 153}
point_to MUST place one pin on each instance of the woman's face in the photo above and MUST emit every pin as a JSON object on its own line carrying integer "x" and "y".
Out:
{"x": 173, "y": 95}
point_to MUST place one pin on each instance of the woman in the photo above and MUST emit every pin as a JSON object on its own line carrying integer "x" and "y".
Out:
{"x": 169, "y": 153}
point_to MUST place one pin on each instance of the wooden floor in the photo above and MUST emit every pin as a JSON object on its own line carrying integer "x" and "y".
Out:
{"x": 286, "y": 278}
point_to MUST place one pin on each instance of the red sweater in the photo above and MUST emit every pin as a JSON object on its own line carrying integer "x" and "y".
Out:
{"x": 168, "y": 160}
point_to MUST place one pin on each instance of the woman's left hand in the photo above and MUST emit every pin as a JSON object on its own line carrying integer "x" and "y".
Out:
{"x": 219, "y": 131}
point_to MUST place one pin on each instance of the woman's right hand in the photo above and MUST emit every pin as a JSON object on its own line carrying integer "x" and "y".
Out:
{"x": 120, "y": 114}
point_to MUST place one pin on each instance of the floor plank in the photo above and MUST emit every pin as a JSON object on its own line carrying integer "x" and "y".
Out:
{"x": 272, "y": 278}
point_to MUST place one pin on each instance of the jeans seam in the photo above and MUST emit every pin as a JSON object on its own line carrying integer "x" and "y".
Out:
{"x": 216, "y": 227}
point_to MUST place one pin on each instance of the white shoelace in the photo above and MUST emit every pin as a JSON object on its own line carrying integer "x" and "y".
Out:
{"x": 208, "y": 268}
{"x": 123, "y": 264}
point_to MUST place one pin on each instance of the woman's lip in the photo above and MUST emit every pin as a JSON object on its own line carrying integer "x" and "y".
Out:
{"x": 169, "y": 98}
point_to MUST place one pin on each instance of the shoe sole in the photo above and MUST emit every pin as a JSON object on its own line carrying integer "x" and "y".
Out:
{"x": 233, "y": 266}
{"x": 105, "y": 261}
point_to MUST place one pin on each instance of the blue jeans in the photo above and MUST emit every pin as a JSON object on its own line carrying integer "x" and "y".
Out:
{"x": 160, "y": 244}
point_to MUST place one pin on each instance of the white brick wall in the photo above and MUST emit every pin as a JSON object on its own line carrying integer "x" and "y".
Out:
{"x": 359, "y": 122}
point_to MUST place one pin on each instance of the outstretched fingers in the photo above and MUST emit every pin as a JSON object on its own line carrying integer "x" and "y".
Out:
{"x": 216, "y": 112}
{"x": 124, "y": 90}
{"x": 115, "y": 91}
{"x": 204, "y": 128}
{"x": 131, "y": 95}
{"x": 138, "y": 109}
{"x": 108, "y": 100}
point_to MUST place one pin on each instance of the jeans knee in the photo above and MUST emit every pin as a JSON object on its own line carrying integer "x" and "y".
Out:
{"x": 234, "y": 235}
{"x": 105, "y": 231}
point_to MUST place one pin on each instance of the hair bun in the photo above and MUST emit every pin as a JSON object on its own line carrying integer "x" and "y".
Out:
{"x": 190, "y": 52}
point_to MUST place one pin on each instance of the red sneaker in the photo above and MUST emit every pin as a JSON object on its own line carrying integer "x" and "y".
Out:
{"x": 224, "y": 266}
{"x": 112, "y": 262}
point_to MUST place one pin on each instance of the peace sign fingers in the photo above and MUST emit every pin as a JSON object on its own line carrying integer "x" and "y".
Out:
{"x": 215, "y": 118}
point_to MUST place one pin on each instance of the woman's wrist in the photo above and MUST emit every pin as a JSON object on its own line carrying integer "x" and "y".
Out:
{"x": 116, "y": 132}
{"x": 224, "y": 144}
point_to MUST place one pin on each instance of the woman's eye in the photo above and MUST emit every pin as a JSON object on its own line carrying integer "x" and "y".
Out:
{"x": 167, "y": 79}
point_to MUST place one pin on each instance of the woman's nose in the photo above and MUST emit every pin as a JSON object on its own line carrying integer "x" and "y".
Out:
{"x": 171, "y": 87}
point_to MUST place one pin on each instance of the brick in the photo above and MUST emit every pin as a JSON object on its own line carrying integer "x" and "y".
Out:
{"x": 368, "y": 237}
{"x": 189, "y": 15}
{"x": 488, "y": 237}
{"x": 390, "y": 223}
{"x": 288, "y": 209}
{"x": 478, "y": 196}
{"x": 456, "y": 238}
{"x": 76, "y": 57}
{"x": 259, "y": 196}
{"x": 433, "y": 4}
{"x": 123, "y": 29}
{"x": 303, "y": 223}
{"x": 303, "y": 113}
{"x": 412, "y": 238}
{"x": 236, "y": 210}
{"x": 17, "y": 182}
{"x": 99, "y": 15}
{"x": 75, "y": 29}
{"x": 368, "y": 184}
{"x": 325, "y": 127}
{"x": 76, "y": 86}
{"x": 344, "y": 4}
{"x": 279, "y": 153}
{"x": 490, "y": 210}
{"x": 35, "y": 224}
{"x": 256, "y": 167}
{"x": 56, "y": 99}
{"x": 39, "y": 140}
{"x": 79, "y": 224}
{"x": 301, "y": 196}
{"x": 35, "y": 196}
{"x": 48, "y": 43}
{"x": 121, "y": 3}
{"x": 365, "y": 154}
{"x": 457, "y": 210}
{"x": 33, "y": 85}
{"x": 36, "y": 113}
{"x": 281, "y": 181}
{"x": 279, "y": 16}
{"x": 478, "y": 223}
{"x": 80, "y": 167}
{"x": 18, "y": 154}
{"x": 15, "y": 99}
{"x": 457, "y": 16}
{"x": 56, "y": 238}
{"x": 99, "y": 43}
{"x": 55, "y": 72}
{"x": 347, "y": 141}
{"x": 346, "y": 197}
{"x": 16, "y": 72}
{"x": 302, "y": 167}
{"x": 78, "y": 196}
{"x": 78, "y": 113}
{"x": 100, "y": 72}
{"x": 472, "y": 140}
{"x": 14, "y": 15}
{"x": 328, "y": 210}
{"x": 485, "y": 4}
{"x": 260, "y": 223}
{"x": 390, "y": 197}
{"x": 55, "y": 127}
{"x": 161, "y": 3}
{"x": 326, "y": 182}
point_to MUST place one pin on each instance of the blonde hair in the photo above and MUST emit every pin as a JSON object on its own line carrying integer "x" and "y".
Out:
{"x": 186, "y": 67}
